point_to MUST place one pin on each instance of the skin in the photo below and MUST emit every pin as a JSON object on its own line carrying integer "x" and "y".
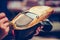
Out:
{"x": 38, "y": 30}
{"x": 4, "y": 25}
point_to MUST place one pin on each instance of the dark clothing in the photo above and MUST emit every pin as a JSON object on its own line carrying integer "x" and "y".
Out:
{"x": 3, "y": 8}
{"x": 20, "y": 34}
{"x": 11, "y": 15}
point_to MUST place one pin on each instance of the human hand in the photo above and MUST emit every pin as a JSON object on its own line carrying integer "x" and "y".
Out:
{"x": 38, "y": 30}
{"x": 4, "y": 25}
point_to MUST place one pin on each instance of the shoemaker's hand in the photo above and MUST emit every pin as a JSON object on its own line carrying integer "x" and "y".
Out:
{"x": 38, "y": 30}
{"x": 4, "y": 25}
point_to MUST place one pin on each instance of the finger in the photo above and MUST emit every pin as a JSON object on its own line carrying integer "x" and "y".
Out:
{"x": 6, "y": 24}
{"x": 6, "y": 30}
{"x": 2, "y": 15}
{"x": 4, "y": 20}
{"x": 36, "y": 32}
{"x": 39, "y": 28}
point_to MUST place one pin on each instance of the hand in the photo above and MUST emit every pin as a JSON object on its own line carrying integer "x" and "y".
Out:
{"x": 38, "y": 30}
{"x": 4, "y": 25}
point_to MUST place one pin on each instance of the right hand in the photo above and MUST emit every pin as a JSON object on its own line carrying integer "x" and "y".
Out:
{"x": 4, "y": 25}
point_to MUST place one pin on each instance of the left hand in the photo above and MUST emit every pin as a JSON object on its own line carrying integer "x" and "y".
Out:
{"x": 4, "y": 25}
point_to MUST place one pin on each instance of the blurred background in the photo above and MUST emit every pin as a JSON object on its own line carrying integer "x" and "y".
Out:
{"x": 16, "y": 6}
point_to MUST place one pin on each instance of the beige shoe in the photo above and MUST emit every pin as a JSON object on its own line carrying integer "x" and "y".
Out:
{"x": 32, "y": 17}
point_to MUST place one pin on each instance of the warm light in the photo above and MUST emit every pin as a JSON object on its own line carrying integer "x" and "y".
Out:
{"x": 14, "y": 5}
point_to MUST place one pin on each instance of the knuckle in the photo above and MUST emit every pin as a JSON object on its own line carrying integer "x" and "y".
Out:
{"x": 3, "y": 14}
{"x": 6, "y": 24}
{"x": 3, "y": 20}
{"x": 6, "y": 18}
